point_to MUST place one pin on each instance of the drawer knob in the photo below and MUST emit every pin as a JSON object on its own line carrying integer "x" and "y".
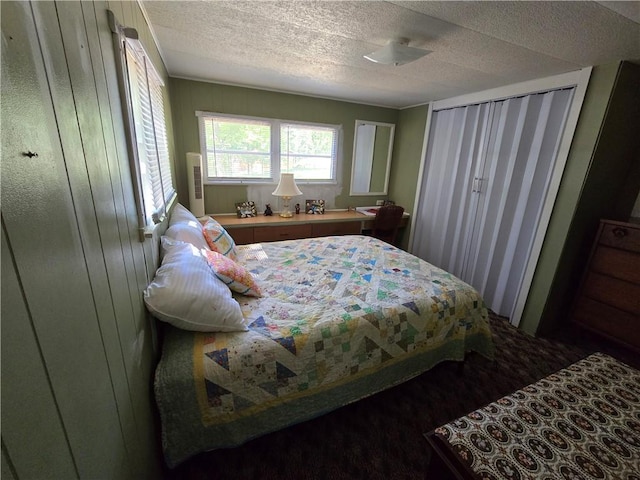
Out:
{"x": 619, "y": 232}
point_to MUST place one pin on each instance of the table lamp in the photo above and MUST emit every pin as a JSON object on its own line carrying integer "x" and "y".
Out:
{"x": 286, "y": 189}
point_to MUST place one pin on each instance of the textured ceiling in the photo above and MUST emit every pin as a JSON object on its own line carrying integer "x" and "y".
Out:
{"x": 317, "y": 47}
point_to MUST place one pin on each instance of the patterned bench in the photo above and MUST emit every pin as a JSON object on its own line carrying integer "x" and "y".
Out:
{"x": 582, "y": 422}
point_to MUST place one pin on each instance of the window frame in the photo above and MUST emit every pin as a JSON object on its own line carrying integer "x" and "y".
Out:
{"x": 275, "y": 151}
{"x": 127, "y": 43}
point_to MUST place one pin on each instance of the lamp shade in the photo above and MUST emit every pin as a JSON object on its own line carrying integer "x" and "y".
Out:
{"x": 287, "y": 186}
{"x": 286, "y": 189}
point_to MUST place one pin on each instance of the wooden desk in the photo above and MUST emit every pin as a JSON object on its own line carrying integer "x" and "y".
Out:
{"x": 269, "y": 229}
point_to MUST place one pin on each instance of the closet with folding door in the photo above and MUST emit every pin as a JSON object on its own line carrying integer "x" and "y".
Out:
{"x": 487, "y": 171}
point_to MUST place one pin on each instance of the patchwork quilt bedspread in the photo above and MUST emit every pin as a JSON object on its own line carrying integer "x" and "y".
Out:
{"x": 340, "y": 318}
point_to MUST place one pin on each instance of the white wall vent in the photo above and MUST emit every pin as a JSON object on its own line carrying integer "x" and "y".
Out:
{"x": 196, "y": 188}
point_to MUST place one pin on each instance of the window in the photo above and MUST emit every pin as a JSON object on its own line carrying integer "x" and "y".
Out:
{"x": 247, "y": 149}
{"x": 149, "y": 133}
{"x": 237, "y": 148}
{"x": 308, "y": 151}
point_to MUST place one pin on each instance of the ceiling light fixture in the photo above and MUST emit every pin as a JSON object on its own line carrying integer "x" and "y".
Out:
{"x": 396, "y": 52}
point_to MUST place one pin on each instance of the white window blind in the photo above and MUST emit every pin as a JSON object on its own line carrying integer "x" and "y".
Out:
{"x": 238, "y": 149}
{"x": 308, "y": 151}
{"x": 145, "y": 89}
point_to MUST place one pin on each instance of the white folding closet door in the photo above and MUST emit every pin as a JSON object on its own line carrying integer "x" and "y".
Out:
{"x": 443, "y": 220}
{"x": 483, "y": 232}
{"x": 522, "y": 148}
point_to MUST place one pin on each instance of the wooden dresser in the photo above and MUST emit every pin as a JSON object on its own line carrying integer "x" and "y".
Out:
{"x": 608, "y": 301}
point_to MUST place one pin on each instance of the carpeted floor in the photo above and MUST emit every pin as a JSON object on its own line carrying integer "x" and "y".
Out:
{"x": 381, "y": 437}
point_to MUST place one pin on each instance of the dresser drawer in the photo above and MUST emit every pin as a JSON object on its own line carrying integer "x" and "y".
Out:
{"x": 609, "y": 298}
{"x": 622, "y": 236}
{"x": 337, "y": 228}
{"x": 608, "y": 320}
{"x": 611, "y": 291}
{"x": 284, "y": 232}
{"x": 617, "y": 263}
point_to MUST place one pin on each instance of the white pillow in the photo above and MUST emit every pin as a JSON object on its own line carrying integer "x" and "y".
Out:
{"x": 186, "y": 293}
{"x": 180, "y": 214}
{"x": 188, "y": 233}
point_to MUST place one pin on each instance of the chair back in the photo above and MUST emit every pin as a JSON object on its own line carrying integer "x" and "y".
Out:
{"x": 386, "y": 223}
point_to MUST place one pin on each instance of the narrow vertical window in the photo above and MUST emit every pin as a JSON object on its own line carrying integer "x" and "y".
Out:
{"x": 142, "y": 99}
{"x": 147, "y": 109}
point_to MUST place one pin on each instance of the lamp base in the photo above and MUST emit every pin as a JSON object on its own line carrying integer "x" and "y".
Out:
{"x": 286, "y": 208}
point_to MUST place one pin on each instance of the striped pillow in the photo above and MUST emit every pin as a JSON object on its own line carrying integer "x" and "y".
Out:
{"x": 186, "y": 293}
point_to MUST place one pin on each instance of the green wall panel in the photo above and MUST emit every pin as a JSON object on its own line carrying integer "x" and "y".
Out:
{"x": 6, "y": 472}
{"x": 407, "y": 157}
{"x": 601, "y": 180}
{"x": 80, "y": 404}
{"x": 189, "y": 96}
{"x": 567, "y": 229}
{"x": 584, "y": 141}
{"x": 63, "y": 313}
{"x": 28, "y": 402}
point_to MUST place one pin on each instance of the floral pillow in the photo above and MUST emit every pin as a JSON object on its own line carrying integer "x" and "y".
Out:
{"x": 237, "y": 278}
{"x": 219, "y": 239}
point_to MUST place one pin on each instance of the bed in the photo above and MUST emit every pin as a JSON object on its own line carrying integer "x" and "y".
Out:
{"x": 339, "y": 319}
{"x": 582, "y": 422}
